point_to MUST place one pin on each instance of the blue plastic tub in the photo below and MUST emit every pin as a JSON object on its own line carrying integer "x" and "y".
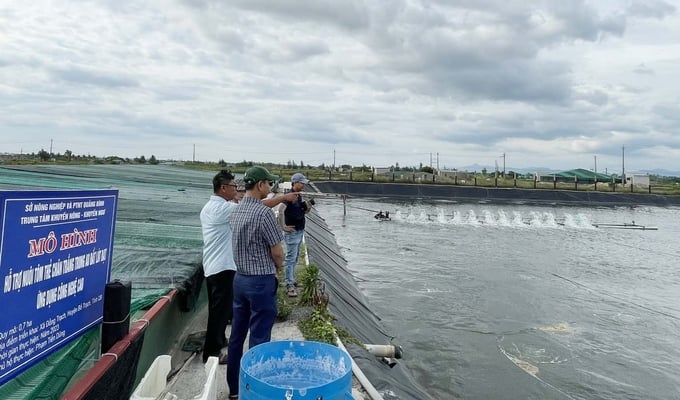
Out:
{"x": 292, "y": 369}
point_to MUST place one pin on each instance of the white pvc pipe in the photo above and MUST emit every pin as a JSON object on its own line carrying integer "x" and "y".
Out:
{"x": 384, "y": 350}
{"x": 365, "y": 383}
{"x": 304, "y": 241}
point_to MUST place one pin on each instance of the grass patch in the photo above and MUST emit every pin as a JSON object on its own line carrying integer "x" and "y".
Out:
{"x": 317, "y": 325}
{"x": 320, "y": 325}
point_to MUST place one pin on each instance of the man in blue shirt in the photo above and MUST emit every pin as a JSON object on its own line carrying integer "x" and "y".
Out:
{"x": 293, "y": 215}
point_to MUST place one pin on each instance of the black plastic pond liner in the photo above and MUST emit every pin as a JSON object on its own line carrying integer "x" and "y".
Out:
{"x": 352, "y": 312}
{"x": 118, "y": 381}
{"x": 495, "y": 195}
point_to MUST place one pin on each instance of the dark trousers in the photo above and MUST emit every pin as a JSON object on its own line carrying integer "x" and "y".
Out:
{"x": 254, "y": 309}
{"x": 220, "y": 311}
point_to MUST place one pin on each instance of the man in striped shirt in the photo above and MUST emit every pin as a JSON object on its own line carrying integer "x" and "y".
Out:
{"x": 258, "y": 253}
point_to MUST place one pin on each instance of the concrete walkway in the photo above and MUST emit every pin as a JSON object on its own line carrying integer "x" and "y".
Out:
{"x": 191, "y": 379}
{"x": 192, "y": 376}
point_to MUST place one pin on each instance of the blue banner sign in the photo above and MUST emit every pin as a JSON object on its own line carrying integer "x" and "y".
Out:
{"x": 55, "y": 260}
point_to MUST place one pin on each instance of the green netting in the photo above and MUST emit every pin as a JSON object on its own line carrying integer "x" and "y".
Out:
{"x": 146, "y": 298}
{"x": 157, "y": 246}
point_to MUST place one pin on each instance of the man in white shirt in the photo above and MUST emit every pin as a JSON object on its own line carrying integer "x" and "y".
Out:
{"x": 218, "y": 262}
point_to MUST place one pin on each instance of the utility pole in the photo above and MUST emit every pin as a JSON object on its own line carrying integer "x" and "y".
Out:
{"x": 437, "y": 161}
{"x": 51, "y": 141}
{"x": 595, "y": 164}
{"x": 623, "y": 165}
{"x": 430, "y": 160}
{"x": 503, "y": 164}
{"x": 194, "y": 157}
{"x": 333, "y": 158}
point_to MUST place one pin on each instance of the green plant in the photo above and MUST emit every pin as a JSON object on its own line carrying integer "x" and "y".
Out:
{"x": 283, "y": 307}
{"x": 319, "y": 326}
{"x": 309, "y": 279}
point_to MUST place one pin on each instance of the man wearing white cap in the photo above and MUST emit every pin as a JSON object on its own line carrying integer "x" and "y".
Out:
{"x": 293, "y": 215}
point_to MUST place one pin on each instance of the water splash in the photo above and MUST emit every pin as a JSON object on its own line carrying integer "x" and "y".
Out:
{"x": 495, "y": 218}
{"x": 503, "y": 219}
{"x": 472, "y": 218}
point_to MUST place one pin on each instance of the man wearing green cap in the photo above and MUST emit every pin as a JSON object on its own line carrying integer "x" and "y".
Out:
{"x": 258, "y": 254}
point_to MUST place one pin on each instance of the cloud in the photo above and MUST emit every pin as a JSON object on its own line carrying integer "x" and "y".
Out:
{"x": 349, "y": 14}
{"x": 651, "y": 9}
{"x": 643, "y": 69}
{"x": 86, "y": 76}
{"x": 374, "y": 82}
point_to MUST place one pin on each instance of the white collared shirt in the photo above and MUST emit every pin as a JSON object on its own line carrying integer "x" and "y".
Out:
{"x": 218, "y": 253}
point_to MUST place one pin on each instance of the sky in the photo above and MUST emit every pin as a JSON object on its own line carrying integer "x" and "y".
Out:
{"x": 527, "y": 84}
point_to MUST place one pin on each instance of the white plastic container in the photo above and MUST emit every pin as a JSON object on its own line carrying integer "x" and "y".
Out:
{"x": 210, "y": 388}
{"x": 154, "y": 381}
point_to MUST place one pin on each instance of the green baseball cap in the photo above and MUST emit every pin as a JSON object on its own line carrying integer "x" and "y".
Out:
{"x": 256, "y": 174}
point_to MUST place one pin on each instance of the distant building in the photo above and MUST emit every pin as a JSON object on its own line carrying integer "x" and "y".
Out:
{"x": 403, "y": 175}
{"x": 637, "y": 180}
{"x": 11, "y": 156}
{"x": 455, "y": 174}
